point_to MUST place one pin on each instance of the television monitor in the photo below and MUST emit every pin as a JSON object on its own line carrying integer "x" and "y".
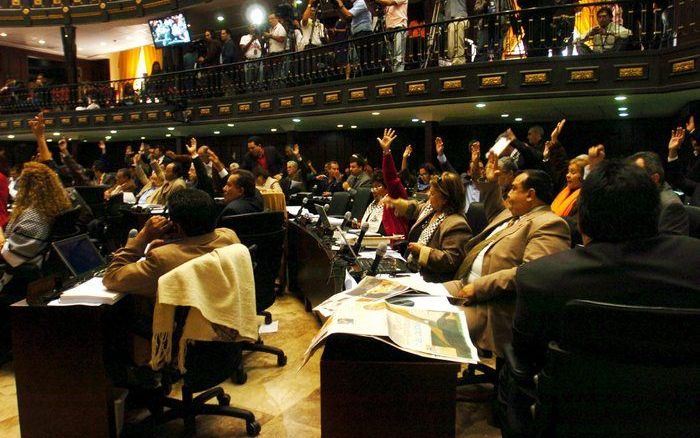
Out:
{"x": 169, "y": 31}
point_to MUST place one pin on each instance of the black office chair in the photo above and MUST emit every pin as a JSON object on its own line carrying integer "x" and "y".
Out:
{"x": 94, "y": 197}
{"x": 619, "y": 369}
{"x": 66, "y": 224}
{"x": 476, "y": 217}
{"x": 694, "y": 218}
{"x": 266, "y": 231}
{"x": 340, "y": 202}
{"x": 360, "y": 201}
{"x": 208, "y": 364}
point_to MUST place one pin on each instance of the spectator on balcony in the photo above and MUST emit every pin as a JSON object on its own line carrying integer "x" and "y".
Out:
{"x": 606, "y": 37}
{"x": 313, "y": 33}
{"x": 456, "y": 10}
{"x": 251, "y": 47}
{"x": 153, "y": 86}
{"x": 339, "y": 34}
{"x": 360, "y": 26}
{"x": 228, "y": 48}
{"x": 396, "y": 19}
{"x": 37, "y": 90}
{"x": 129, "y": 96}
{"x": 87, "y": 103}
{"x": 276, "y": 45}
{"x": 213, "y": 52}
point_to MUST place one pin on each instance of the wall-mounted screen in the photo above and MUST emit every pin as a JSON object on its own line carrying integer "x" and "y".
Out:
{"x": 169, "y": 31}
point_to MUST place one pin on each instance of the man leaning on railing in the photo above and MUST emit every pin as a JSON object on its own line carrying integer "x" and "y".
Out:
{"x": 396, "y": 19}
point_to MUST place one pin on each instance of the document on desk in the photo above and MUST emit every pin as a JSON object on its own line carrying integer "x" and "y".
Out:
{"x": 293, "y": 209}
{"x": 436, "y": 334}
{"x": 369, "y": 289}
{"x": 89, "y": 293}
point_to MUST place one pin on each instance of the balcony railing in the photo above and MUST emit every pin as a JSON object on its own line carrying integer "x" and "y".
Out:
{"x": 537, "y": 32}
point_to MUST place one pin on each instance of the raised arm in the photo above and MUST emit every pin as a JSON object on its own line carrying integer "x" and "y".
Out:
{"x": 42, "y": 148}
{"x": 391, "y": 177}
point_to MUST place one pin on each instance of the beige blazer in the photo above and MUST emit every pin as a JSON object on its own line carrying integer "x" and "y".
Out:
{"x": 535, "y": 234}
{"x": 161, "y": 195}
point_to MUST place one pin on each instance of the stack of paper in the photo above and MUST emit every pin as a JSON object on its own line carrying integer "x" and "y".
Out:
{"x": 90, "y": 293}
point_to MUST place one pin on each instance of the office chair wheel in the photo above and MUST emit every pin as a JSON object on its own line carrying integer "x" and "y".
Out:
{"x": 281, "y": 361}
{"x": 253, "y": 428}
{"x": 224, "y": 400}
{"x": 240, "y": 377}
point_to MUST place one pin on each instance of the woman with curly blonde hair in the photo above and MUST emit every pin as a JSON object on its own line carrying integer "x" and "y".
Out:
{"x": 40, "y": 199}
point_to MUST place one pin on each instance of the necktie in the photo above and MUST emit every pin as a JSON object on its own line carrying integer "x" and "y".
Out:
{"x": 473, "y": 253}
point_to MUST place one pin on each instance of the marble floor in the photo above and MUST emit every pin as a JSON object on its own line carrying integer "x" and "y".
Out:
{"x": 286, "y": 401}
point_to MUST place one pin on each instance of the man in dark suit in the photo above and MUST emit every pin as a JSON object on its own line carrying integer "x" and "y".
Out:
{"x": 241, "y": 195}
{"x": 624, "y": 260}
{"x": 266, "y": 157}
{"x": 673, "y": 219}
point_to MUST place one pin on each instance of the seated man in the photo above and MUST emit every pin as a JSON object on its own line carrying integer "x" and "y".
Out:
{"x": 605, "y": 37}
{"x": 189, "y": 233}
{"x": 624, "y": 260}
{"x": 521, "y": 229}
{"x": 295, "y": 180}
{"x": 358, "y": 177}
{"x": 240, "y": 194}
{"x": 173, "y": 182}
{"x": 123, "y": 184}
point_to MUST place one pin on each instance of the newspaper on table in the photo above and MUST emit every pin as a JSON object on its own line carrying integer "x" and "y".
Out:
{"x": 371, "y": 288}
{"x": 439, "y": 333}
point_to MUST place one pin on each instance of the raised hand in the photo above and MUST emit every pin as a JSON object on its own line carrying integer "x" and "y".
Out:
{"x": 137, "y": 158}
{"x": 510, "y": 135}
{"x": 295, "y": 150}
{"x": 555, "y": 134}
{"x": 492, "y": 171}
{"x": 596, "y": 154}
{"x": 408, "y": 151}
{"x": 547, "y": 147}
{"x": 475, "y": 151}
{"x": 37, "y": 125}
{"x": 102, "y": 146}
{"x": 192, "y": 147}
{"x": 387, "y": 139}
{"x": 674, "y": 144}
{"x": 439, "y": 146}
{"x": 690, "y": 124}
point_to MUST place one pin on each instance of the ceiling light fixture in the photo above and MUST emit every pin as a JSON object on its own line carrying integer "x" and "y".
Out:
{"x": 505, "y": 115}
{"x": 353, "y": 127}
{"x": 42, "y": 42}
{"x": 217, "y": 132}
{"x": 10, "y": 136}
{"x": 273, "y": 129}
{"x": 49, "y": 140}
{"x": 624, "y": 114}
{"x": 415, "y": 120}
{"x": 296, "y": 120}
{"x": 518, "y": 119}
{"x": 620, "y": 98}
{"x": 480, "y": 105}
{"x": 108, "y": 137}
{"x": 622, "y": 109}
{"x": 143, "y": 138}
{"x": 168, "y": 135}
{"x": 340, "y": 126}
{"x": 422, "y": 121}
{"x": 230, "y": 125}
{"x": 170, "y": 128}
{"x": 3, "y": 34}
{"x": 56, "y": 134}
{"x": 219, "y": 18}
{"x": 376, "y": 113}
{"x": 113, "y": 131}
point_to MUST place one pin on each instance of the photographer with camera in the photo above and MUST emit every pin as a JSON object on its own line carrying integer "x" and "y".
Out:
{"x": 251, "y": 47}
{"x": 396, "y": 19}
{"x": 360, "y": 26}
{"x": 606, "y": 37}
{"x": 276, "y": 38}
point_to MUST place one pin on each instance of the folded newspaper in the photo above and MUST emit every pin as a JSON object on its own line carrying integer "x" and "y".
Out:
{"x": 436, "y": 331}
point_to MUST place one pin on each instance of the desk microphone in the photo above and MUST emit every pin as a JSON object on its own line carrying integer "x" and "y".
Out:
{"x": 358, "y": 242}
{"x": 326, "y": 207}
{"x": 379, "y": 255}
{"x": 346, "y": 221}
{"x": 304, "y": 205}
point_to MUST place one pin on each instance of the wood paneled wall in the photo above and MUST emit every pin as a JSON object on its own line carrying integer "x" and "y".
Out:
{"x": 14, "y": 65}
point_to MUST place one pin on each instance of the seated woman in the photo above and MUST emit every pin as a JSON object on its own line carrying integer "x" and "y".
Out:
{"x": 437, "y": 240}
{"x": 40, "y": 199}
{"x": 565, "y": 204}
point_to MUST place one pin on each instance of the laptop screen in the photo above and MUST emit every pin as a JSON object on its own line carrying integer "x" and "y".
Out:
{"x": 79, "y": 254}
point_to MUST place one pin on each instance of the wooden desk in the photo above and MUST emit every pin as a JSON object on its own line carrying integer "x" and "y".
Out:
{"x": 310, "y": 267}
{"x": 369, "y": 388}
{"x": 61, "y": 356}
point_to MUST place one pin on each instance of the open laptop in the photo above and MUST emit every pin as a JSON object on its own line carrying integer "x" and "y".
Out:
{"x": 80, "y": 256}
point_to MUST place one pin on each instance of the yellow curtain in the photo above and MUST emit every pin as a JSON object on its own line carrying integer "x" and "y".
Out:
{"x": 585, "y": 18}
{"x": 129, "y": 60}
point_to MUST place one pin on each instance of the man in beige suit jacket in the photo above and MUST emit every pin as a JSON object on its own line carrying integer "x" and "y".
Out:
{"x": 521, "y": 228}
{"x": 174, "y": 181}
{"x": 192, "y": 234}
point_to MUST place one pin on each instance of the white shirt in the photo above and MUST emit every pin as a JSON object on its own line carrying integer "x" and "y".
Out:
{"x": 373, "y": 216}
{"x": 312, "y": 31}
{"x": 276, "y": 46}
{"x": 478, "y": 264}
{"x": 254, "y": 50}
